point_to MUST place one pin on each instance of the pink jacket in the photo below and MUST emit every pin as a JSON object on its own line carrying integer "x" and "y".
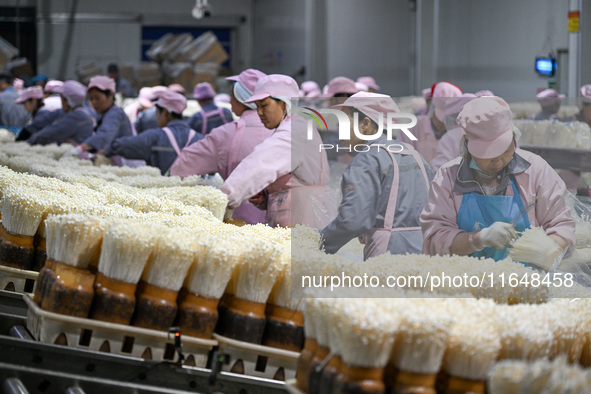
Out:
{"x": 426, "y": 142}
{"x": 448, "y": 147}
{"x": 273, "y": 159}
{"x": 538, "y": 183}
{"x": 221, "y": 151}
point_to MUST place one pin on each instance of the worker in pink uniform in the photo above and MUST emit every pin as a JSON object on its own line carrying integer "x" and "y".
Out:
{"x": 449, "y": 145}
{"x": 226, "y": 146}
{"x": 477, "y": 202}
{"x": 384, "y": 188}
{"x": 288, "y": 172}
{"x": 549, "y": 100}
{"x": 370, "y": 82}
{"x": 430, "y": 128}
{"x": 210, "y": 116}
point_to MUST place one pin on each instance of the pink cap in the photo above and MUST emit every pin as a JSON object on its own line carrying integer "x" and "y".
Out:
{"x": 51, "y": 85}
{"x": 371, "y": 104}
{"x": 157, "y": 91}
{"x": 548, "y": 97}
{"x": 482, "y": 93}
{"x": 145, "y": 97}
{"x": 222, "y": 98}
{"x": 102, "y": 82}
{"x": 172, "y": 101}
{"x": 454, "y": 105}
{"x": 177, "y": 87}
{"x": 586, "y": 93}
{"x": 203, "y": 91}
{"x": 73, "y": 91}
{"x": 248, "y": 78}
{"x": 426, "y": 93}
{"x": 309, "y": 86}
{"x": 441, "y": 91}
{"x": 341, "y": 85}
{"x": 488, "y": 123}
{"x": 34, "y": 92}
{"x": 274, "y": 85}
{"x": 361, "y": 87}
{"x": 369, "y": 82}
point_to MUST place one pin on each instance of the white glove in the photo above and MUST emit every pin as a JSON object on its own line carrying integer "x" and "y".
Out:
{"x": 73, "y": 152}
{"x": 497, "y": 235}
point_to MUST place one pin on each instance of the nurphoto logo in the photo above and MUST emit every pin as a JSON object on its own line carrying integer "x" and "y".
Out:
{"x": 393, "y": 122}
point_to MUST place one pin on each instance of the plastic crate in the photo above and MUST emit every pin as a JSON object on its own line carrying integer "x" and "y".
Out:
{"x": 17, "y": 280}
{"x": 258, "y": 360}
{"x": 120, "y": 339}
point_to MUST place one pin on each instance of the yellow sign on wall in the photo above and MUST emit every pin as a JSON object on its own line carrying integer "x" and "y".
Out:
{"x": 573, "y": 22}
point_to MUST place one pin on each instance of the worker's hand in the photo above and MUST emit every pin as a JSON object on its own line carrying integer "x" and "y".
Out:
{"x": 497, "y": 235}
{"x": 73, "y": 152}
{"x": 229, "y": 213}
{"x": 259, "y": 200}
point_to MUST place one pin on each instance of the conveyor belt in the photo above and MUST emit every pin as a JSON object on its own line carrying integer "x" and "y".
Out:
{"x": 49, "y": 368}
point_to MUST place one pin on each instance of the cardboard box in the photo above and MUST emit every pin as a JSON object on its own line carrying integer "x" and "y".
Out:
{"x": 7, "y": 52}
{"x": 207, "y": 49}
{"x": 181, "y": 73}
{"x": 20, "y": 68}
{"x": 205, "y": 72}
{"x": 87, "y": 71}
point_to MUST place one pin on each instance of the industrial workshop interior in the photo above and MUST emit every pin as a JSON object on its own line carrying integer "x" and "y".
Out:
{"x": 295, "y": 196}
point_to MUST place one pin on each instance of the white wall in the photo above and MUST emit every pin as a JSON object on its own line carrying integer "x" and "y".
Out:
{"x": 483, "y": 44}
{"x": 279, "y": 36}
{"x": 492, "y": 45}
{"x": 107, "y": 38}
{"x": 371, "y": 38}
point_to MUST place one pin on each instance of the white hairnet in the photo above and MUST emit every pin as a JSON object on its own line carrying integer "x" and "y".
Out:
{"x": 242, "y": 94}
{"x": 287, "y": 102}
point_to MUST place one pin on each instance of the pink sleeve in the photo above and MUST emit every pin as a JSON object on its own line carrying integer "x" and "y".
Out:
{"x": 551, "y": 212}
{"x": 206, "y": 156}
{"x": 269, "y": 160}
{"x": 447, "y": 149}
{"x": 439, "y": 217}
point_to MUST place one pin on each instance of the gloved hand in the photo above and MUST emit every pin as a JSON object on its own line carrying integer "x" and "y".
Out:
{"x": 73, "y": 152}
{"x": 497, "y": 235}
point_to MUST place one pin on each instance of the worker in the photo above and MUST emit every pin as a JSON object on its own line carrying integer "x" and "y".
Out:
{"x": 449, "y": 145}
{"x": 424, "y": 109}
{"x": 226, "y": 146}
{"x": 210, "y": 116}
{"x": 34, "y": 102}
{"x": 310, "y": 89}
{"x": 584, "y": 115}
{"x": 77, "y": 123}
{"x": 146, "y": 119}
{"x": 39, "y": 80}
{"x": 52, "y": 100}
{"x": 370, "y": 82}
{"x": 430, "y": 128}
{"x": 122, "y": 85}
{"x": 159, "y": 147}
{"x": 384, "y": 188}
{"x": 549, "y": 100}
{"x": 177, "y": 88}
{"x": 143, "y": 102}
{"x": 291, "y": 185}
{"x": 341, "y": 87}
{"x": 479, "y": 201}
{"x": 12, "y": 116}
{"x": 112, "y": 123}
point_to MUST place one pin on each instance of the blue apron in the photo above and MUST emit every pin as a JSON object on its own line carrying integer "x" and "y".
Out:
{"x": 478, "y": 211}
